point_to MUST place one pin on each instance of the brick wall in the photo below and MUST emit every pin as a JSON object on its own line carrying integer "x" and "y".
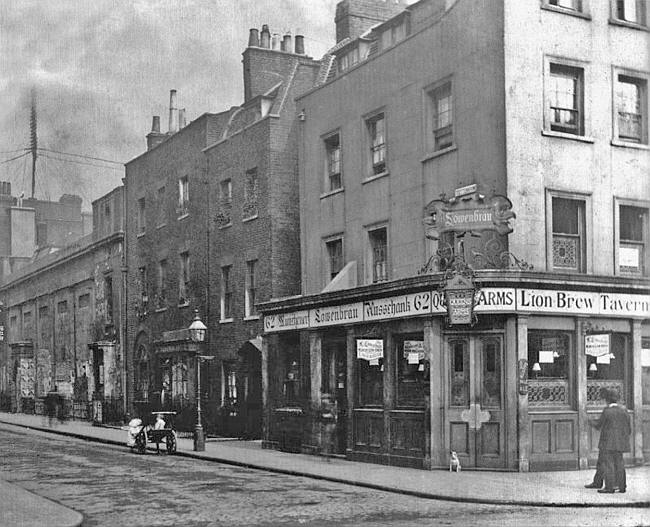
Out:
{"x": 355, "y": 17}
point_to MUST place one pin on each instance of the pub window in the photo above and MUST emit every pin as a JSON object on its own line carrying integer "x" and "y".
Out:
{"x": 291, "y": 386}
{"x": 377, "y": 138}
{"x": 412, "y": 370}
{"x": 370, "y": 382}
{"x": 441, "y": 117}
{"x": 378, "y": 241}
{"x": 607, "y": 368}
{"x": 548, "y": 368}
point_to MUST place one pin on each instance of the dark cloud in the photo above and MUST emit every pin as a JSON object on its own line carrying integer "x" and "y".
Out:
{"x": 103, "y": 68}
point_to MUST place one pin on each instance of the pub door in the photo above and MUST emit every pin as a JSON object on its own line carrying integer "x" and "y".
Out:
{"x": 475, "y": 413}
{"x": 334, "y": 384}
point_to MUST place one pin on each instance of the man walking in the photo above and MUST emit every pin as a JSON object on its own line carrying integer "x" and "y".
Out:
{"x": 614, "y": 426}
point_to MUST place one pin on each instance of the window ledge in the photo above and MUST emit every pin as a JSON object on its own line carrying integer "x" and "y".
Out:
{"x": 252, "y": 317}
{"x": 226, "y": 320}
{"x": 564, "y": 11}
{"x": 250, "y": 218}
{"x": 186, "y": 304}
{"x": 572, "y": 137}
{"x": 226, "y": 225}
{"x": 160, "y": 310}
{"x": 627, "y": 144}
{"x": 432, "y": 155}
{"x": 374, "y": 177}
{"x": 140, "y": 234}
{"x": 183, "y": 216}
{"x": 161, "y": 226}
{"x": 631, "y": 25}
{"x": 331, "y": 193}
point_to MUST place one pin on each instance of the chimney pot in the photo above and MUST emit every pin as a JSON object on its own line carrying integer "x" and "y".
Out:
{"x": 286, "y": 43}
{"x": 299, "y": 42}
{"x": 173, "y": 114}
{"x": 265, "y": 37}
{"x": 275, "y": 41}
{"x": 253, "y": 38}
{"x": 155, "y": 124}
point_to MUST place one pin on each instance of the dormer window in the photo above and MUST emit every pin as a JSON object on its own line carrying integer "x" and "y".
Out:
{"x": 348, "y": 59}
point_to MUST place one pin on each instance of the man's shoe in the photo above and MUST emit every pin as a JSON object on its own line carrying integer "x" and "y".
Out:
{"x": 592, "y": 486}
{"x": 605, "y": 491}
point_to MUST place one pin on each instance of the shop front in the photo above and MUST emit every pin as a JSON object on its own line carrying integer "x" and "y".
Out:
{"x": 379, "y": 374}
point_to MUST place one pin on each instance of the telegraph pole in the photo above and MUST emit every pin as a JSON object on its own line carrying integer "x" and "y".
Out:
{"x": 33, "y": 140}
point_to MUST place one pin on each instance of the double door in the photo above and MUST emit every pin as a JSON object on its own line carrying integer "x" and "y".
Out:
{"x": 475, "y": 399}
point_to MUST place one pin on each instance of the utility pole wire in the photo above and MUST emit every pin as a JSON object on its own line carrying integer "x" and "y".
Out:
{"x": 14, "y": 158}
{"x": 79, "y": 162}
{"x": 82, "y": 156}
{"x": 13, "y": 151}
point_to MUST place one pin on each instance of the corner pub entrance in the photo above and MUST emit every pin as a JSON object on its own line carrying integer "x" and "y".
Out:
{"x": 379, "y": 376}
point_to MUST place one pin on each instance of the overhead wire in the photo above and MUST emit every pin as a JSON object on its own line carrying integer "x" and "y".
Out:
{"x": 14, "y": 158}
{"x": 80, "y": 162}
{"x": 82, "y": 156}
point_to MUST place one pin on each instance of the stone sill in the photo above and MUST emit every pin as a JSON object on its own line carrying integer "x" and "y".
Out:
{"x": 571, "y": 137}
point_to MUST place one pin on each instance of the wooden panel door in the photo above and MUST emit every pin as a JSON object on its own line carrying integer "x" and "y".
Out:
{"x": 475, "y": 412}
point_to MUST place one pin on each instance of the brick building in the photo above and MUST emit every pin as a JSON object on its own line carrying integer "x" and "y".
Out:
{"x": 216, "y": 230}
{"x": 451, "y": 112}
{"x": 65, "y": 320}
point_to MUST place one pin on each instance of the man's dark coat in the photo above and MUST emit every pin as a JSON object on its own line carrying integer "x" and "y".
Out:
{"x": 615, "y": 430}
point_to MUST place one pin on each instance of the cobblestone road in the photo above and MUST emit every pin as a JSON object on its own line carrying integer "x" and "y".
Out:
{"x": 111, "y": 486}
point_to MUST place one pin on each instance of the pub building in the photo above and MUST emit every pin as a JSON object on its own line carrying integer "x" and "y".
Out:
{"x": 503, "y": 366}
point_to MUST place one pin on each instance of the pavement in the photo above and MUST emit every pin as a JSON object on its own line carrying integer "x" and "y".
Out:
{"x": 21, "y": 508}
{"x": 544, "y": 489}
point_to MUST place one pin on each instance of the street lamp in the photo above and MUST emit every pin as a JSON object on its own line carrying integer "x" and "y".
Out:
{"x": 197, "y": 331}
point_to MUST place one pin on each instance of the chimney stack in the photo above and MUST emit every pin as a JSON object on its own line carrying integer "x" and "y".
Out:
{"x": 253, "y": 38}
{"x": 155, "y": 124}
{"x": 181, "y": 119}
{"x": 355, "y": 17}
{"x": 265, "y": 37}
{"x": 299, "y": 42}
{"x": 173, "y": 113}
{"x": 275, "y": 42}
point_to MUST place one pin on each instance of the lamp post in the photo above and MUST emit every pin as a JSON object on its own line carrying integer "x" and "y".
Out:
{"x": 197, "y": 331}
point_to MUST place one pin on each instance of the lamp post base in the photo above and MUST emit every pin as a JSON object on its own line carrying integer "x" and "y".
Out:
{"x": 199, "y": 439}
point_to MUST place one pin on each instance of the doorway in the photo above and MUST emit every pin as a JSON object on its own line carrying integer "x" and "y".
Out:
{"x": 334, "y": 392}
{"x": 475, "y": 400}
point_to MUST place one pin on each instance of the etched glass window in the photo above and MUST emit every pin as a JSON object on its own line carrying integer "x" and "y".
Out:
{"x": 549, "y": 354}
{"x": 568, "y": 234}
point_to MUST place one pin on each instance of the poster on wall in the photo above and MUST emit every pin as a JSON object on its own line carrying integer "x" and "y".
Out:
{"x": 645, "y": 357}
{"x": 370, "y": 349}
{"x": 597, "y": 345}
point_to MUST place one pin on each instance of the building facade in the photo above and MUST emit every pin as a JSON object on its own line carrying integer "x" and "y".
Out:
{"x": 216, "y": 229}
{"x": 65, "y": 320}
{"x": 426, "y": 132}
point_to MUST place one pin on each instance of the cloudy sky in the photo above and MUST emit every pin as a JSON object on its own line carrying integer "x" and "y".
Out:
{"x": 102, "y": 68}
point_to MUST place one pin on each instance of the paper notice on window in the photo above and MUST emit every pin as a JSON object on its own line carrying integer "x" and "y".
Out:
{"x": 413, "y": 357}
{"x": 602, "y": 359}
{"x": 628, "y": 257}
{"x": 597, "y": 345}
{"x": 645, "y": 357}
{"x": 546, "y": 357}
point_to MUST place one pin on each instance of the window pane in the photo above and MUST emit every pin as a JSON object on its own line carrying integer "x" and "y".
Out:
{"x": 607, "y": 371}
{"x": 370, "y": 387}
{"x": 459, "y": 355}
{"x": 379, "y": 249}
{"x": 335, "y": 255}
{"x": 412, "y": 370}
{"x": 491, "y": 373}
{"x": 548, "y": 368}
{"x": 629, "y": 95}
{"x": 564, "y": 98}
{"x": 631, "y": 223}
{"x": 565, "y": 216}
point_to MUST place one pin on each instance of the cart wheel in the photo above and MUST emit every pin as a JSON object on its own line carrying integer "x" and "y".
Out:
{"x": 140, "y": 443}
{"x": 171, "y": 443}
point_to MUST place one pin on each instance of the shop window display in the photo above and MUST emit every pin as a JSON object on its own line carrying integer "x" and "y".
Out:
{"x": 548, "y": 368}
{"x": 370, "y": 382}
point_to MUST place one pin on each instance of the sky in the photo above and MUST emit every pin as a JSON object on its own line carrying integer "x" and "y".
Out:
{"x": 102, "y": 68}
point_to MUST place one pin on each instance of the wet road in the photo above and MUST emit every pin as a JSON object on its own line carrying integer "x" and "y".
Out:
{"x": 111, "y": 486}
